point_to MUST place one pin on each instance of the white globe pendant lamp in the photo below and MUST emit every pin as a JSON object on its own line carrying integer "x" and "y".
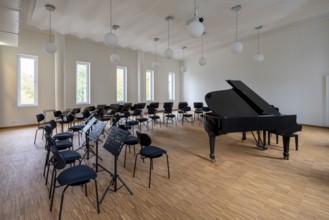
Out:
{"x": 236, "y": 47}
{"x": 115, "y": 58}
{"x": 194, "y": 24}
{"x": 258, "y": 57}
{"x": 168, "y": 52}
{"x": 110, "y": 38}
{"x": 49, "y": 46}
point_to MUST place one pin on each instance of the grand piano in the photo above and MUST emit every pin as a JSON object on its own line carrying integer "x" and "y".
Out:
{"x": 240, "y": 110}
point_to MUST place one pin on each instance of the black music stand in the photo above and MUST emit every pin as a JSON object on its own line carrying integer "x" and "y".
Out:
{"x": 114, "y": 144}
{"x": 86, "y": 130}
{"x": 94, "y": 136}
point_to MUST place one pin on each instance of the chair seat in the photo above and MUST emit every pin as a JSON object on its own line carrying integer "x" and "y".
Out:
{"x": 142, "y": 119}
{"x": 132, "y": 123}
{"x": 131, "y": 140}
{"x": 63, "y": 136}
{"x": 171, "y": 116}
{"x": 77, "y": 127}
{"x": 154, "y": 117}
{"x": 187, "y": 115}
{"x": 63, "y": 144}
{"x": 198, "y": 111}
{"x": 76, "y": 175}
{"x": 70, "y": 156}
{"x": 152, "y": 151}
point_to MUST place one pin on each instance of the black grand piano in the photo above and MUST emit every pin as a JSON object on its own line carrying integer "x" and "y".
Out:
{"x": 240, "y": 110}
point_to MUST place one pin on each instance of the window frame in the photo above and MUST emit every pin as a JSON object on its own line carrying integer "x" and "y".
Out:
{"x": 35, "y": 80}
{"x": 151, "y": 98}
{"x": 171, "y": 88}
{"x": 124, "y": 89}
{"x": 87, "y": 64}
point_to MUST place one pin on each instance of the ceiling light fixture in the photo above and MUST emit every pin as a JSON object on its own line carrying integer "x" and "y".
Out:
{"x": 194, "y": 24}
{"x": 202, "y": 60}
{"x": 183, "y": 67}
{"x": 236, "y": 46}
{"x": 155, "y": 63}
{"x": 168, "y": 52}
{"x": 49, "y": 46}
{"x": 110, "y": 39}
{"x": 115, "y": 58}
{"x": 258, "y": 57}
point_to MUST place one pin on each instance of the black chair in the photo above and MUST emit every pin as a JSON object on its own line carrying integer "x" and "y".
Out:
{"x": 181, "y": 106}
{"x": 169, "y": 116}
{"x": 152, "y": 114}
{"x": 60, "y": 145}
{"x": 73, "y": 176}
{"x": 187, "y": 116}
{"x": 149, "y": 151}
{"x": 130, "y": 141}
{"x": 198, "y": 111}
{"x": 141, "y": 119}
{"x": 62, "y": 135}
{"x": 40, "y": 120}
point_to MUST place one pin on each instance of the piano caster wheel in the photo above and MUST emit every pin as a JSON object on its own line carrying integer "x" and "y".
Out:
{"x": 286, "y": 156}
{"x": 265, "y": 147}
{"x": 212, "y": 157}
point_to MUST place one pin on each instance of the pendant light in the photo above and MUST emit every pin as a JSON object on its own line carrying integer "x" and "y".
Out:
{"x": 236, "y": 47}
{"x": 168, "y": 52}
{"x": 49, "y": 46}
{"x": 194, "y": 24}
{"x": 115, "y": 58}
{"x": 155, "y": 63}
{"x": 183, "y": 67}
{"x": 202, "y": 60}
{"x": 258, "y": 57}
{"x": 110, "y": 39}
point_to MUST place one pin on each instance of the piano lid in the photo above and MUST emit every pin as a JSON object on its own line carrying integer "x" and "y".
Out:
{"x": 240, "y": 101}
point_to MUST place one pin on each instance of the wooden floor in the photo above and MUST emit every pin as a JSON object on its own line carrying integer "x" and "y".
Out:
{"x": 244, "y": 182}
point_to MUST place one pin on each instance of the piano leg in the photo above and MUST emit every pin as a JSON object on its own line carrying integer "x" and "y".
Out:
{"x": 212, "y": 146}
{"x": 286, "y": 141}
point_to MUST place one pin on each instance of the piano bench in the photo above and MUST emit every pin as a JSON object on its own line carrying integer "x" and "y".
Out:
{"x": 277, "y": 138}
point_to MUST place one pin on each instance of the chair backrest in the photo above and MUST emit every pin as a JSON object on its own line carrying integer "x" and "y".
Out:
{"x": 52, "y": 124}
{"x": 86, "y": 113}
{"x": 198, "y": 105}
{"x": 144, "y": 139}
{"x": 40, "y": 117}
{"x": 181, "y": 105}
{"x": 154, "y": 105}
{"x": 69, "y": 118}
{"x": 168, "y": 104}
{"x": 48, "y": 130}
{"x": 141, "y": 105}
{"x": 59, "y": 160}
{"x": 57, "y": 113}
{"x": 75, "y": 111}
{"x": 187, "y": 108}
{"x": 167, "y": 110}
{"x": 151, "y": 111}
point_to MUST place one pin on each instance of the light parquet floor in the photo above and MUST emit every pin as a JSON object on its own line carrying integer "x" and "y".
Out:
{"x": 244, "y": 182}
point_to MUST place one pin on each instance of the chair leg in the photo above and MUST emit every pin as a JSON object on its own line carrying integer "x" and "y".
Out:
{"x": 124, "y": 161}
{"x": 97, "y": 201}
{"x": 150, "y": 173}
{"x": 168, "y": 166}
{"x": 35, "y": 136}
{"x": 52, "y": 189}
{"x": 135, "y": 164}
{"x": 62, "y": 200}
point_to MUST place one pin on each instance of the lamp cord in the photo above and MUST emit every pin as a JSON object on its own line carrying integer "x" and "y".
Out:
{"x": 111, "y": 16}
{"x": 49, "y": 26}
{"x": 168, "y": 32}
{"x": 236, "y": 26}
{"x": 258, "y": 41}
{"x": 155, "y": 55}
{"x": 202, "y": 45}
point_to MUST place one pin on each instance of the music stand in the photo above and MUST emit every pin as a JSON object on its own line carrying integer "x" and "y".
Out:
{"x": 114, "y": 144}
{"x": 94, "y": 136}
{"x": 85, "y": 129}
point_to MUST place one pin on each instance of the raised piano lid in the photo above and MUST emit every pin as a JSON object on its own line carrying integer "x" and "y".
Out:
{"x": 238, "y": 102}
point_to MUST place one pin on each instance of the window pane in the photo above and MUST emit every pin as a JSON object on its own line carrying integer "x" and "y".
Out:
{"x": 148, "y": 88}
{"x": 121, "y": 84}
{"x": 27, "y": 80}
{"x": 82, "y": 77}
{"x": 171, "y": 86}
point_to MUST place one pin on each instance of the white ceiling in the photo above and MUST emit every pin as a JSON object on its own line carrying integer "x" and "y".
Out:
{"x": 141, "y": 21}
{"x": 9, "y": 22}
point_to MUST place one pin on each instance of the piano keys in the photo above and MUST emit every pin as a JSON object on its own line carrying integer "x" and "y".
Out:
{"x": 240, "y": 110}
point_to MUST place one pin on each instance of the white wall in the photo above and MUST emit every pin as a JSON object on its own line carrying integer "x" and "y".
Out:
{"x": 292, "y": 76}
{"x": 103, "y": 77}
